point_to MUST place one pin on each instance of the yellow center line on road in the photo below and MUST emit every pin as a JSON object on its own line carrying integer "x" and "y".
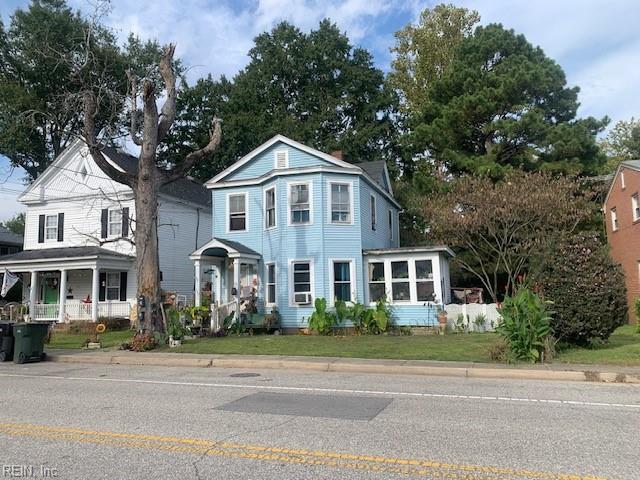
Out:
{"x": 412, "y": 467}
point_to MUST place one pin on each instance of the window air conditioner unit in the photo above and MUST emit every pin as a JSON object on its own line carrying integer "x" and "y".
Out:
{"x": 302, "y": 298}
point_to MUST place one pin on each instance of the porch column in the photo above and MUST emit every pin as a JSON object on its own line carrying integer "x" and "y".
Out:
{"x": 33, "y": 291}
{"x": 236, "y": 277}
{"x": 198, "y": 277}
{"x": 95, "y": 293}
{"x": 63, "y": 294}
{"x": 218, "y": 274}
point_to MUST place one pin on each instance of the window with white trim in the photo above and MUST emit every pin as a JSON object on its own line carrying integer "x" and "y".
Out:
{"x": 635, "y": 207}
{"x": 301, "y": 281}
{"x": 112, "y": 289}
{"x": 424, "y": 280}
{"x": 270, "y": 207}
{"x": 400, "y": 291}
{"x": 299, "y": 203}
{"x": 342, "y": 280}
{"x": 115, "y": 223}
{"x": 340, "y": 203}
{"x": 51, "y": 227}
{"x": 390, "y": 219}
{"x": 372, "y": 207}
{"x": 622, "y": 185}
{"x": 614, "y": 219}
{"x": 281, "y": 159}
{"x": 271, "y": 284}
{"x": 377, "y": 289}
{"x": 237, "y": 212}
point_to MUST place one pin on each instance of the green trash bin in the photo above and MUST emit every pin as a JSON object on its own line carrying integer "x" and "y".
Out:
{"x": 29, "y": 342}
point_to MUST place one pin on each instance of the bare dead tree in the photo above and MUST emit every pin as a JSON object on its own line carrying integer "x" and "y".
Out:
{"x": 148, "y": 179}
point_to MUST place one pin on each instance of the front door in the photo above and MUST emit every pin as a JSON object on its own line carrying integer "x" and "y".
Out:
{"x": 50, "y": 290}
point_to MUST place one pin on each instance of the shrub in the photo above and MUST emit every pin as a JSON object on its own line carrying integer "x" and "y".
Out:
{"x": 175, "y": 328}
{"x": 636, "y": 305}
{"x": 115, "y": 323}
{"x": 525, "y": 325}
{"x": 587, "y": 289}
{"x": 321, "y": 320}
{"x": 141, "y": 342}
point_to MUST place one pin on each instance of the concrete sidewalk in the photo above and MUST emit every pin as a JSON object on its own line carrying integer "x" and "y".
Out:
{"x": 562, "y": 372}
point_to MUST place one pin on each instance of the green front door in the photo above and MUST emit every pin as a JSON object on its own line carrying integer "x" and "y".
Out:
{"x": 50, "y": 292}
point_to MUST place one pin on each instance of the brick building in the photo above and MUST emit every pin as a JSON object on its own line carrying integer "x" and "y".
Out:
{"x": 622, "y": 222}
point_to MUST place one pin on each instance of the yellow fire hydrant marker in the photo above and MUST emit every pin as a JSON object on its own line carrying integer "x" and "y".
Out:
{"x": 379, "y": 464}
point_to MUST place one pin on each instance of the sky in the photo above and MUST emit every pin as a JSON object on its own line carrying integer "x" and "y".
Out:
{"x": 597, "y": 43}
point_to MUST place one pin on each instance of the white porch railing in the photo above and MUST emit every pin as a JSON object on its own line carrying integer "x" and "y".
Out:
{"x": 80, "y": 311}
{"x": 220, "y": 312}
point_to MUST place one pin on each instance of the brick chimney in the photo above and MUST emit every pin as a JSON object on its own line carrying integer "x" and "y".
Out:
{"x": 337, "y": 154}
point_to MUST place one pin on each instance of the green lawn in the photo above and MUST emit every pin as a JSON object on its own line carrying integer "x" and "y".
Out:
{"x": 623, "y": 347}
{"x": 74, "y": 340}
{"x": 472, "y": 347}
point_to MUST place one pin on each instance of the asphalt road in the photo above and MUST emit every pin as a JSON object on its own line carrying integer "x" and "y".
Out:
{"x": 116, "y": 422}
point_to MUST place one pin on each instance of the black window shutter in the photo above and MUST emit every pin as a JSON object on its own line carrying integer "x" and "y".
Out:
{"x": 123, "y": 286}
{"x": 125, "y": 222}
{"x": 41, "y": 229}
{"x": 61, "y": 227}
{"x": 103, "y": 223}
{"x": 102, "y": 295}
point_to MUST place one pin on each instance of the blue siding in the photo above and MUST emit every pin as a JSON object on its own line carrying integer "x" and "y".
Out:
{"x": 414, "y": 315}
{"x": 378, "y": 238}
{"x": 264, "y": 163}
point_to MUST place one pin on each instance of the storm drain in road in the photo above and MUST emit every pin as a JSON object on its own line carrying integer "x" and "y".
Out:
{"x": 303, "y": 405}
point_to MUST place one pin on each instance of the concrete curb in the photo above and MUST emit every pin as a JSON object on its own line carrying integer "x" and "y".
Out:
{"x": 346, "y": 365}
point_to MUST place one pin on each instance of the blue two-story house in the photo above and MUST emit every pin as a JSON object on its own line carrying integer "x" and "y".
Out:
{"x": 292, "y": 224}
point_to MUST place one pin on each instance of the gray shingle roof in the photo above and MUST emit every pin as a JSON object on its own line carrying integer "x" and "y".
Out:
{"x": 184, "y": 188}
{"x": 376, "y": 171}
{"x": 237, "y": 246}
{"x": 65, "y": 252}
{"x": 7, "y": 237}
{"x": 632, "y": 163}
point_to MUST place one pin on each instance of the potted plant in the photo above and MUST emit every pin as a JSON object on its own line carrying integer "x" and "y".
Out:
{"x": 175, "y": 329}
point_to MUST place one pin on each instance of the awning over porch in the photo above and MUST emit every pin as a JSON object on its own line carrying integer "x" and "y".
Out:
{"x": 217, "y": 247}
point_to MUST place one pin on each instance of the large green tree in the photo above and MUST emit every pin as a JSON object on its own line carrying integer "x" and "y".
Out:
{"x": 622, "y": 143}
{"x": 313, "y": 87}
{"x": 423, "y": 52}
{"x": 49, "y": 56}
{"x": 503, "y": 104}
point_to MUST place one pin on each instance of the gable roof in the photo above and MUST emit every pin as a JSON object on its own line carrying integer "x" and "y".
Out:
{"x": 7, "y": 237}
{"x": 186, "y": 189}
{"x": 632, "y": 164}
{"x": 377, "y": 170}
{"x": 286, "y": 140}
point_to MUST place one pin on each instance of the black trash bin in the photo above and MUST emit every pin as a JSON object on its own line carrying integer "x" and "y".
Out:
{"x": 6, "y": 342}
{"x": 29, "y": 340}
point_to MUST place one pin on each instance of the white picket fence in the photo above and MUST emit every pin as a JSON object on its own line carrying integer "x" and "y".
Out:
{"x": 471, "y": 311}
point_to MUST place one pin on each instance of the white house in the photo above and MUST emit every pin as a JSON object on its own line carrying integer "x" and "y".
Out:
{"x": 79, "y": 252}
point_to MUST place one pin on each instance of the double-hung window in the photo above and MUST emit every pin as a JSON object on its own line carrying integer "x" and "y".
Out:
{"x": 340, "y": 203}
{"x": 113, "y": 286}
{"x": 115, "y": 223}
{"x": 342, "y": 280}
{"x": 635, "y": 207}
{"x": 270, "y": 207}
{"x": 271, "y": 284}
{"x": 51, "y": 227}
{"x": 376, "y": 281}
{"x": 301, "y": 282}
{"x": 400, "y": 281}
{"x": 390, "y": 219}
{"x": 424, "y": 280}
{"x": 614, "y": 219}
{"x": 300, "y": 206}
{"x": 237, "y": 212}
{"x": 372, "y": 207}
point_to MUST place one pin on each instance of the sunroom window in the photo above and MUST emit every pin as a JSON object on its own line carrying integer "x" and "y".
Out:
{"x": 424, "y": 280}
{"x": 376, "y": 281}
{"x": 400, "y": 281}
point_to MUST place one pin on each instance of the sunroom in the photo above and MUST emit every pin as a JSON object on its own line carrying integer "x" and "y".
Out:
{"x": 413, "y": 280}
